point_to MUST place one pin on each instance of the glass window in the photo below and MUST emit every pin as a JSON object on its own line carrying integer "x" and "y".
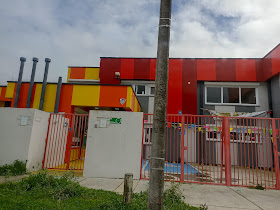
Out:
{"x": 152, "y": 90}
{"x": 214, "y": 95}
{"x": 248, "y": 96}
{"x": 140, "y": 90}
{"x": 230, "y": 95}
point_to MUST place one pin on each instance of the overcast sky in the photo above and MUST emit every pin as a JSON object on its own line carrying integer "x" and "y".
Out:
{"x": 79, "y": 32}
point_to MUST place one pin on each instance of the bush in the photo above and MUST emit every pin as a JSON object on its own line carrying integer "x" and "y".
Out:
{"x": 15, "y": 169}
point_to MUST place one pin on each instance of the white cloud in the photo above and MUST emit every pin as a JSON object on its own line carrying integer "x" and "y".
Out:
{"x": 79, "y": 32}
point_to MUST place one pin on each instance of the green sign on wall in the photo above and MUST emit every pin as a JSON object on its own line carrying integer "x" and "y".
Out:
{"x": 116, "y": 120}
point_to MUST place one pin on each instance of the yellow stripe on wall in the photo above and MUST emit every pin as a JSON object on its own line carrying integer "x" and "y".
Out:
{"x": 0, "y": 91}
{"x": 49, "y": 99}
{"x": 10, "y": 90}
{"x": 92, "y": 73}
{"x": 69, "y": 72}
{"x": 86, "y": 95}
{"x": 135, "y": 104}
{"x": 37, "y": 95}
{"x": 129, "y": 97}
{"x": 2, "y": 103}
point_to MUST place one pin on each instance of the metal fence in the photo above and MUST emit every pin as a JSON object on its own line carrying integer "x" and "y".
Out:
{"x": 217, "y": 150}
{"x": 66, "y": 142}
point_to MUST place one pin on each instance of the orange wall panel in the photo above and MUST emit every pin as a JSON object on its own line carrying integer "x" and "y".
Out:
{"x": 66, "y": 99}
{"x": 77, "y": 73}
{"x": 110, "y": 96}
{"x": 24, "y": 88}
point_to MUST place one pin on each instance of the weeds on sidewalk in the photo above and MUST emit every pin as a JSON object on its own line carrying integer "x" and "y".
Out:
{"x": 45, "y": 191}
{"x": 15, "y": 169}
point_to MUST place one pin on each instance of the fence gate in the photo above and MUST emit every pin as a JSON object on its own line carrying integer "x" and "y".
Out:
{"x": 233, "y": 151}
{"x": 66, "y": 142}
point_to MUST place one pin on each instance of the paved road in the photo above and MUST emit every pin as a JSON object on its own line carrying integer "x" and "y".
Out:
{"x": 215, "y": 197}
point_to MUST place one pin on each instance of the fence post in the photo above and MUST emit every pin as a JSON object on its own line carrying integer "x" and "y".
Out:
{"x": 276, "y": 154}
{"x": 127, "y": 191}
{"x": 183, "y": 149}
{"x": 227, "y": 151}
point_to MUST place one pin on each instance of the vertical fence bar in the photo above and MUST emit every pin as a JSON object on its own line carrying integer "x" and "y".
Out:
{"x": 227, "y": 151}
{"x": 276, "y": 155}
{"x": 183, "y": 149}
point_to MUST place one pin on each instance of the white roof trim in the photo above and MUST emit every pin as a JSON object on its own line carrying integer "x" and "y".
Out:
{"x": 232, "y": 84}
{"x": 84, "y": 80}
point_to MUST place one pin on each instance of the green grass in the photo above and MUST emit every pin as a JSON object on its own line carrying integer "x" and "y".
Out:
{"x": 15, "y": 169}
{"x": 44, "y": 191}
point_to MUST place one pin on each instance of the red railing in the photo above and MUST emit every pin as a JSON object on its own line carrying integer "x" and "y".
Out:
{"x": 217, "y": 150}
{"x": 66, "y": 142}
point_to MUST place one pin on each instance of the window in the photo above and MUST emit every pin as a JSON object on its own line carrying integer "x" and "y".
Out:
{"x": 140, "y": 89}
{"x": 231, "y": 95}
{"x": 153, "y": 90}
{"x": 214, "y": 95}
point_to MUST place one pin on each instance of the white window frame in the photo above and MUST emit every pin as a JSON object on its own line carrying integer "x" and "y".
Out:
{"x": 135, "y": 90}
{"x": 232, "y": 85}
{"x": 148, "y": 91}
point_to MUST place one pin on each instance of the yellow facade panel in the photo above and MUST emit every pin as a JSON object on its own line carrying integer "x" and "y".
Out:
{"x": 37, "y": 96}
{"x": 92, "y": 73}
{"x": 86, "y": 95}
{"x": 10, "y": 90}
{"x": 68, "y": 75}
{"x": 2, "y": 103}
{"x": 129, "y": 98}
{"x": 49, "y": 100}
{"x": 0, "y": 91}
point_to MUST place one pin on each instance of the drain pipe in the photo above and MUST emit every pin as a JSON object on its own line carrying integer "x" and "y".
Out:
{"x": 47, "y": 60}
{"x": 58, "y": 90}
{"x": 22, "y": 60}
{"x": 35, "y": 61}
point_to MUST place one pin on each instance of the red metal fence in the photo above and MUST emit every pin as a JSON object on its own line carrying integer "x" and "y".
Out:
{"x": 217, "y": 150}
{"x": 66, "y": 142}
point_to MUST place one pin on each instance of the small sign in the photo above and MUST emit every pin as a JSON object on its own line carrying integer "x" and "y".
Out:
{"x": 116, "y": 120}
{"x": 180, "y": 112}
{"x": 122, "y": 101}
{"x": 23, "y": 120}
{"x": 103, "y": 123}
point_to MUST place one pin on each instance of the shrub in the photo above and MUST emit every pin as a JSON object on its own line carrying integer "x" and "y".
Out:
{"x": 15, "y": 169}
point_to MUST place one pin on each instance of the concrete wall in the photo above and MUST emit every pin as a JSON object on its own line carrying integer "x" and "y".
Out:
{"x": 114, "y": 149}
{"x": 275, "y": 96}
{"x": 22, "y": 136}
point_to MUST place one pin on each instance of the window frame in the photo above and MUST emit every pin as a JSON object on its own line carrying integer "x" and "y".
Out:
{"x": 148, "y": 88}
{"x": 231, "y": 86}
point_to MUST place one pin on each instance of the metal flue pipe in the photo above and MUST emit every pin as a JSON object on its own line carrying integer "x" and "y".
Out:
{"x": 57, "y": 99}
{"x": 47, "y": 60}
{"x": 22, "y": 60}
{"x": 35, "y": 61}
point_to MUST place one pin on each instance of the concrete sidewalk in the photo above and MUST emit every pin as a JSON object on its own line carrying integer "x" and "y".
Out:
{"x": 215, "y": 197}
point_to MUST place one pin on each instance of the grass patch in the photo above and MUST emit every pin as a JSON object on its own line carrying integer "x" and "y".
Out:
{"x": 258, "y": 187}
{"x": 44, "y": 191}
{"x": 15, "y": 169}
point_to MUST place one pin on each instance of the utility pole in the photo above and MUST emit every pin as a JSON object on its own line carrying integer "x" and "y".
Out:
{"x": 156, "y": 184}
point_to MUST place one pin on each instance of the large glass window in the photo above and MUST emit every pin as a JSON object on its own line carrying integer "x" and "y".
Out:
{"x": 230, "y": 95}
{"x": 248, "y": 96}
{"x": 214, "y": 95}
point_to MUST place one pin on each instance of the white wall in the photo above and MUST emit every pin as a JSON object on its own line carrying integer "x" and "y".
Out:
{"x": 20, "y": 139}
{"x": 115, "y": 150}
{"x": 37, "y": 140}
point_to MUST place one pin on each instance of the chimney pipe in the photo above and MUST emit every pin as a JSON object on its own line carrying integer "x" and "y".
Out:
{"x": 35, "y": 61}
{"x": 58, "y": 95}
{"x": 22, "y": 60}
{"x": 47, "y": 60}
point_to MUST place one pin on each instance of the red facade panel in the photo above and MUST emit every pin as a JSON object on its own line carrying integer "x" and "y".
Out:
{"x": 108, "y": 67}
{"x": 259, "y": 71}
{"x": 174, "y": 104}
{"x": 127, "y": 68}
{"x": 206, "y": 69}
{"x": 189, "y": 86}
{"x": 66, "y": 99}
{"x": 275, "y": 55}
{"x": 142, "y": 69}
{"x": 153, "y": 66}
{"x": 245, "y": 70}
{"x": 24, "y": 88}
{"x": 267, "y": 67}
{"x": 225, "y": 70}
